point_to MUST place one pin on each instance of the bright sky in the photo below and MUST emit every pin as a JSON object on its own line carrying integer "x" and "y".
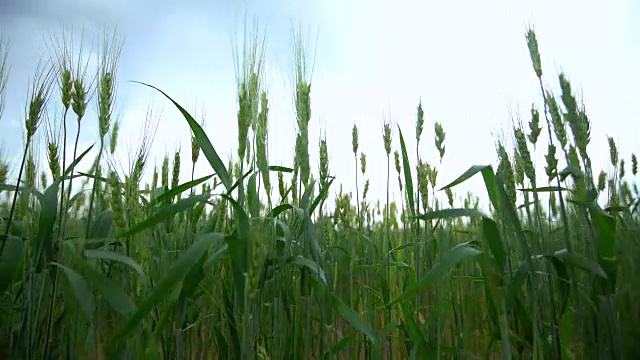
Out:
{"x": 467, "y": 60}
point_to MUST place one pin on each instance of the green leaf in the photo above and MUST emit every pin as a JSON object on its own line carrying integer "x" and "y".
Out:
{"x": 237, "y": 247}
{"x": 277, "y": 168}
{"x": 420, "y": 342}
{"x": 566, "y": 334}
{"x": 101, "y": 228}
{"x": 203, "y": 141}
{"x": 451, "y": 259}
{"x": 32, "y": 190}
{"x": 464, "y": 177}
{"x": 197, "y": 212}
{"x": 170, "y": 194}
{"x": 517, "y": 281}
{"x": 321, "y": 196}
{"x": 309, "y": 234}
{"x": 215, "y": 256}
{"x": 162, "y": 289}
{"x": 164, "y": 213}
{"x": 407, "y": 174}
{"x": 9, "y": 187}
{"x": 279, "y": 210}
{"x": 545, "y": 189}
{"x": 338, "y": 346}
{"x": 43, "y": 241}
{"x": 563, "y": 282}
{"x": 580, "y": 262}
{"x": 99, "y": 178}
{"x": 223, "y": 346}
{"x": 305, "y": 200}
{"x": 81, "y": 290}
{"x": 189, "y": 286}
{"x": 487, "y": 175}
{"x": 73, "y": 164}
{"x": 253, "y": 203}
{"x": 617, "y": 209}
{"x": 400, "y": 247}
{"x": 511, "y": 219}
{"x": 109, "y": 290}
{"x": 308, "y": 263}
{"x": 110, "y": 255}
{"x": 388, "y": 329}
{"x": 399, "y": 264}
{"x": 355, "y": 320}
{"x": 605, "y": 226}
{"x": 286, "y": 193}
{"x": 494, "y": 240}
{"x": 570, "y": 170}
{"x": 237, "y": 183}
{"x": 10, "y": 261}
{"x": 524, "y": 318}
{"x": 450, "y": 214}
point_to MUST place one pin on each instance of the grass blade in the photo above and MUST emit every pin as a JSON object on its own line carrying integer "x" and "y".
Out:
{"x": 321, "y": 196}
{"x": 277, "y": 168}
{"x": 165, "y": 213}
{"x": 163, "y": 289}
{"x": 81, "y": 290}
{"x": 72, "y": 166}
{"x": 335, "y": 349}
{"x": 279, "y": 210}
{"x": 452, "y": 258}
{"x": 253, "y": 202}
{"x": 112, "y": 292}
{"x": 580, "y": 262}
{"x": 487, "y": 175}
{"x": 494, "y": 241}
{"x": 545, "y": 189}
{"x": 355, "y": 320}
{"x": 171, "y": 193}
{"x": 309, "y": 264}
{"x": 407, "y": 174}
{"x": 203, "y": 141}
{"x": 10, "y": 261}
{"x": 450, "y": 214}
{"x": 44, "y": 238}
{"x": 605, "y": 226}
{"x": 110, "y": 255}
{"x": 102, "y": 226}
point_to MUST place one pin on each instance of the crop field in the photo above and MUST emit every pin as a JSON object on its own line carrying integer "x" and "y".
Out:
{"x": 262, "y": 261}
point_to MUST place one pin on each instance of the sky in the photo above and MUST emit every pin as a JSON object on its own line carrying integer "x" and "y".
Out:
{"x": 374, "y": 60}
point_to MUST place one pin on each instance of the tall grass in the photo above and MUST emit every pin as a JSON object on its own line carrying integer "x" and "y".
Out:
{"x": 4, "y": 70}
{"x": 222, "y": 267}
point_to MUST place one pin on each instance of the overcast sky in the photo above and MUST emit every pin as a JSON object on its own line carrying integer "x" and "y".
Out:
{"x": 467, "y": 60}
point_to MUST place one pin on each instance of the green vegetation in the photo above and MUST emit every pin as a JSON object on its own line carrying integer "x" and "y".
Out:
{"x": 223, "y": 267}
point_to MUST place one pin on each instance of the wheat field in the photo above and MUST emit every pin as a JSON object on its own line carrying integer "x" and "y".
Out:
{"x": 258, "y": 261}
